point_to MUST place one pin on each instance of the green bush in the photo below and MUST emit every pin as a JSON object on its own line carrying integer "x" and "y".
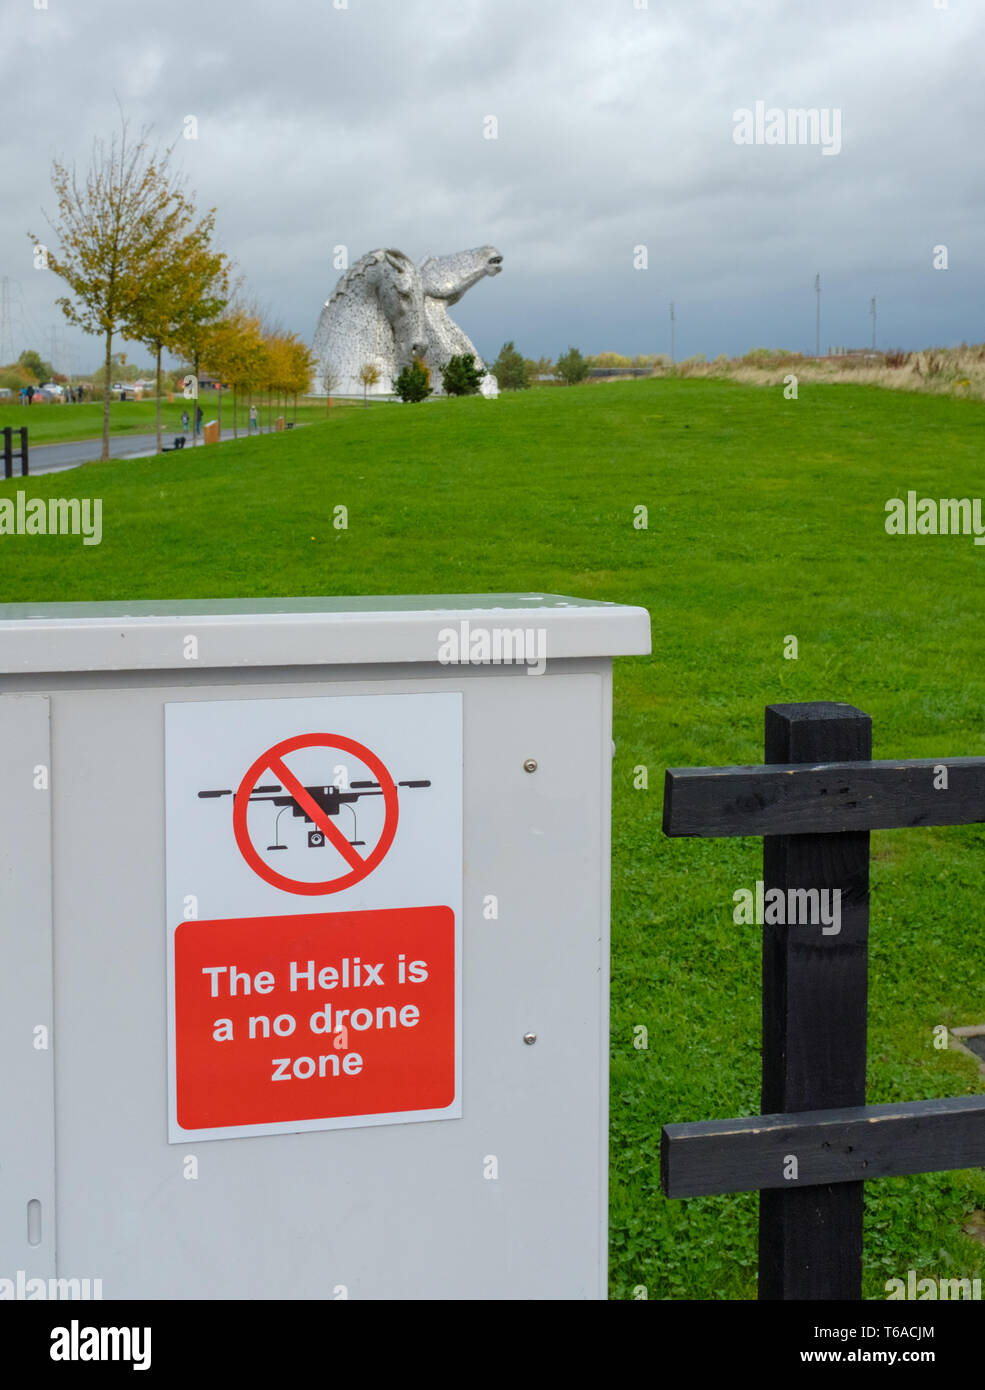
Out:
{"x": 460, "y": 376}
{"x": 15, "y": 377}
{"x": 510, "y": 369}
{"x": 412, "y": 383}
{"x": 572, "y": 367}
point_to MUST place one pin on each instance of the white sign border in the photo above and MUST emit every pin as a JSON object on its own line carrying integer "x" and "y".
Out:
{"x": 178, "y": 1135}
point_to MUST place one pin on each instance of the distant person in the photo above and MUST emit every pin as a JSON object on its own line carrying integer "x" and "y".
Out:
{"x": 23, "y": 395}
{"x": 30, "y": 395}
{"x": 198, "y": 419}
{"x": 184, "y": 419}
{"x": 253, "y": 419}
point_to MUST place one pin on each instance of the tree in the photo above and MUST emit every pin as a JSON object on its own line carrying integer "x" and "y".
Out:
{"x": 119, "y": 370}
{"x": 413, "y": 382}
{"x": 459, "y": 376}
{"x": 369, "y": 375}
{"x": 34, "y": 363}
{"x": 329, "y": 382}
{"x": 510, "y": 369}
{"x": 231, "y": 352}
{"x": 249, "y": 367}
{"x": 110, "y": 228}
{"x": 14, "y": 377}
{"x": 300, "y": 364}
{"x": 184, "y": 292}
{"x": 288, "y": 364}
{"x": 572, "y": 367}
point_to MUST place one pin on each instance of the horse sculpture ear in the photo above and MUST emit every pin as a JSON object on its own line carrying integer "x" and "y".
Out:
{"x": 396, "y": 260}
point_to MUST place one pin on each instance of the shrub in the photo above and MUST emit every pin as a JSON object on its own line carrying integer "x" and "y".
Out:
{"x": 16, "y": 376}
{"x": 572, "y": 367}
{"x": 460, "y": 377}
{"x": 770, "y": 357}
{"x": 511, "y": 370}
{"x": 413, "y": 382}
{"x": 610, "y": 359}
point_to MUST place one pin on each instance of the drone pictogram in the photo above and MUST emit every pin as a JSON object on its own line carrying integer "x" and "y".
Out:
{"x": 328, "y": 799}
{"x": 319, "y": 806}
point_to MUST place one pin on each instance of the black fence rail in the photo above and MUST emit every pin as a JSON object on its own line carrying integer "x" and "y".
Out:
{"x": 817, "y": 1142}
{"x": 9, "y": 453}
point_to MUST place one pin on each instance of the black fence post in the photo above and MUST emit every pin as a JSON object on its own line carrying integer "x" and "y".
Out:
{"x": 814, "y": 1015}
{"x": 23, "y": 451}
{"x": 8, "y": 452}
{"x": 816, "y": 1142}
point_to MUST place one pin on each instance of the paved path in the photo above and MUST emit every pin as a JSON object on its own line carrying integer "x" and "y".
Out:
{"x": 55, "y": 458}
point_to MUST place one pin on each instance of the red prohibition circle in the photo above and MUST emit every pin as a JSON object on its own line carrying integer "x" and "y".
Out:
{"x": 273, "y": 759}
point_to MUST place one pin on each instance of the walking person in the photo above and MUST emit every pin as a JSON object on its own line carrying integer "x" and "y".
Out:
{"x": 198, "y": 419}
{"x": 184, "y": 419}
{"x": 253, "y": 419}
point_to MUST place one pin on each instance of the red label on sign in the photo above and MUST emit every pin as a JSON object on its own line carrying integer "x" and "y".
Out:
{"x": 320, "y": 1016}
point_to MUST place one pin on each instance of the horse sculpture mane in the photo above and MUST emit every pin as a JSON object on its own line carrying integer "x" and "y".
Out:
{"x": 386, "y": 311}
{"x": 358, "y": 269}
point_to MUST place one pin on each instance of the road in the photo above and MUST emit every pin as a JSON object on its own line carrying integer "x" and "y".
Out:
{"x": 55, "y": 458}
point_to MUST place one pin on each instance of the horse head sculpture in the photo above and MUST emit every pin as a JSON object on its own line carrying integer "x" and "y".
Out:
{"x": 448, "y": 277}
{"x": 387, "y": 311}
{"x": 445, "y": 280}
{"x": 401, "y": 297}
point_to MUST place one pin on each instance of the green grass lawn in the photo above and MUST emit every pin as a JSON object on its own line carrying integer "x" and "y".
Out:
{"x": 766, "y": 519}
{"x": 62, "y": 424}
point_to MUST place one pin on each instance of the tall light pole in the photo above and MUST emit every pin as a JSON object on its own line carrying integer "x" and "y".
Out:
{"x": 672, "y": 322}
{"x": 817, "y": 290}
{"x": 872, "y": 311}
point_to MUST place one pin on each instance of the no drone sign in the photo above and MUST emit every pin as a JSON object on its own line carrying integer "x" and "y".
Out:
{"x": 314, "y": 876}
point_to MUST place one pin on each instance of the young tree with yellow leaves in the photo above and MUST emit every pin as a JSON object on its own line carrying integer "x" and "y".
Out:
{"x": 185, "y": 289}
{"x": 294, "y": 365}
{"x": 232, "y": 353}
{"x": 110, "y": 227}
{"x": 369, "y": 375}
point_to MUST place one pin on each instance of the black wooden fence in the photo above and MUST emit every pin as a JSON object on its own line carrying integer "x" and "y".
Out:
{"x": 8, "y": 450}
{"x": 814, "y": 803}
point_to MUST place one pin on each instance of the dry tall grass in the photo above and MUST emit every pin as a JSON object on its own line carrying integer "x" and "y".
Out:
{"x": 940, "y": 371}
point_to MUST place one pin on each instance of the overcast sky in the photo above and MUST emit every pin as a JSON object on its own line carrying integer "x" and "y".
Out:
{"x": 365, "y": 126}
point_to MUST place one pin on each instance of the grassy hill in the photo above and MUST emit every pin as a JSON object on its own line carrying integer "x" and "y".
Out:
{"x": 765, "y": 520}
